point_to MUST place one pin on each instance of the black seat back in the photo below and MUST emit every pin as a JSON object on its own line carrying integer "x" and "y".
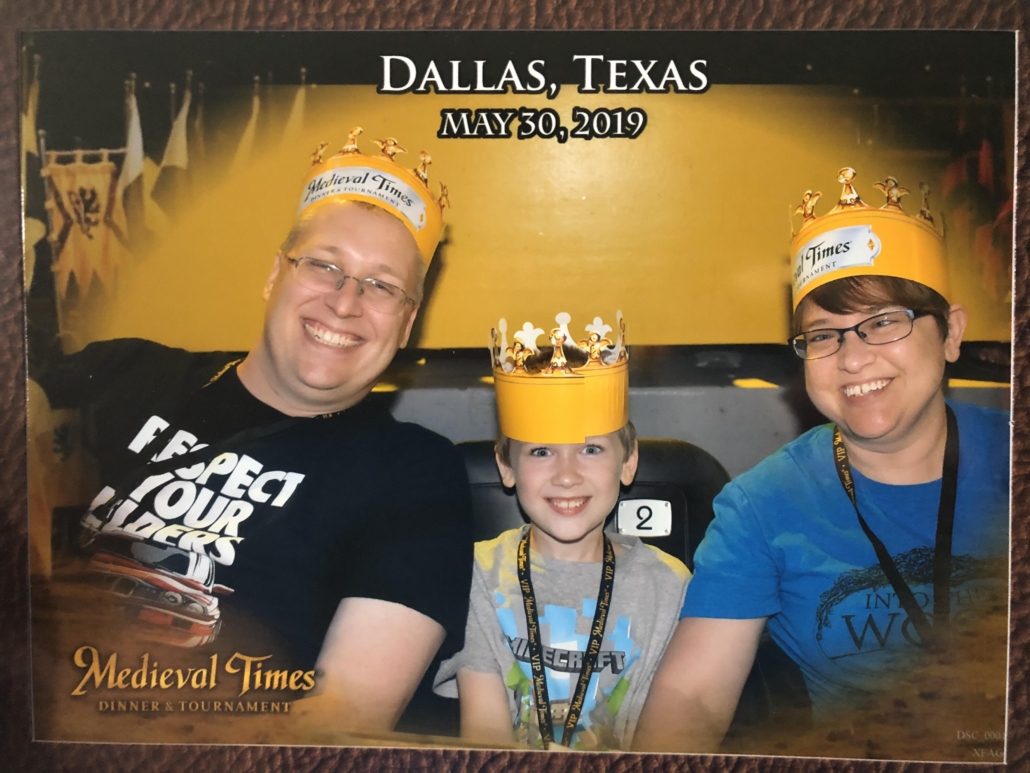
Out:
{"x": 672, "y": 471}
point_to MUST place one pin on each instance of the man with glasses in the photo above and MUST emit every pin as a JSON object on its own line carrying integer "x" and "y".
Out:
{"x": 343, "y": 536}
{"x": 872, "y": 549}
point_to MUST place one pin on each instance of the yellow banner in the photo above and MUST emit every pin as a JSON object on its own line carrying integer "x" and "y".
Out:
{"x": 87, "y": 227}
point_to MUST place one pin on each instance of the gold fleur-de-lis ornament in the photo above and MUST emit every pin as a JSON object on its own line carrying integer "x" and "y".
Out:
{"x": 389, "y": 147}
{"x": 849, "y": 198}
{"x": 422, "y": 170}
{"x": 316, "y": 157}
{"x": 890, "y": 188}
{"x": 352, "y": 141}
{"x": 807, "y": 205}
{"x": 925, "y": 211}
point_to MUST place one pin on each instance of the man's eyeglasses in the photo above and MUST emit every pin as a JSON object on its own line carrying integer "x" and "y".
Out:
{"x": 323, "y": 277}
{"x": 882, "y": 329}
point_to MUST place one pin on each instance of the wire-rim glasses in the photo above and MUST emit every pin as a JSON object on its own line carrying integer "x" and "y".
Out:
{"x": 885, "y": 328}
{"x": 324, "y": 277}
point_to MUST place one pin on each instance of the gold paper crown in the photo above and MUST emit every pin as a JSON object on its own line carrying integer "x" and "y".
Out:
{"x": 566, "y": 392}
{"x": 854, "y": 239}
{"x": 380, "y": 180}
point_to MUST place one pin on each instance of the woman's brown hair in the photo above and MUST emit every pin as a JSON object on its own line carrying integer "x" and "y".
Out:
{"x": 858, "y": 293}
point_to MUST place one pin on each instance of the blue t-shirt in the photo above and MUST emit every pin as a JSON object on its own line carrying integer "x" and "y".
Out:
{"x": 786, "y": 544}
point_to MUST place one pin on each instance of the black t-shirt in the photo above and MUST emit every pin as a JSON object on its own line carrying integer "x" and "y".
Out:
{"x": 314, "y": 510}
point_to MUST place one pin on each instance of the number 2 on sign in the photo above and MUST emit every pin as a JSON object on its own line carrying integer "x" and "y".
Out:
{"x": 644, "y": 514}
{"x": 649, "y": 518}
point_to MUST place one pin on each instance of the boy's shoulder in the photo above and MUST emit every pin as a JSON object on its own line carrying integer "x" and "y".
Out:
{"x": 647, "y": 558}
{"x": 502, "y": 548}
{"x": 638, "y": 555}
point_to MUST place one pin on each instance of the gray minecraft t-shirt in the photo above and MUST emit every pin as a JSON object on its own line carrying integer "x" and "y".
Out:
{"x": 647, "y": 596}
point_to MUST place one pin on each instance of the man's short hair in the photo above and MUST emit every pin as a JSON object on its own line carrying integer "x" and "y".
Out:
{"x": 855, "y": 293}
{"x": 298, "y": 228}
{"x": 627, "y": 438}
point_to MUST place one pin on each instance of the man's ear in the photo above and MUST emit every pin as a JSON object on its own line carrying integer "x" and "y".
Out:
{"x": 629, "y": 467}
{"x": 407, "y": 327}
{"x": 507, "y": 473}
{"x": 277, "y": 263}
{"x": 957, "y": 319}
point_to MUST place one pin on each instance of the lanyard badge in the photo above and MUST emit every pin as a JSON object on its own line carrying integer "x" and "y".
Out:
{"x": 928, "y": 635}
{"x": 536, "y": 650}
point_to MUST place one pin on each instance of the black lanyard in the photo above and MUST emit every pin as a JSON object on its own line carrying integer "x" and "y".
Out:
{"x": 942, "y": 544}
{"x": 536, "y": 650}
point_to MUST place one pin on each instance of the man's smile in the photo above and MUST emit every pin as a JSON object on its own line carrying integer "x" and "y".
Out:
{"x": 324, "y": 335}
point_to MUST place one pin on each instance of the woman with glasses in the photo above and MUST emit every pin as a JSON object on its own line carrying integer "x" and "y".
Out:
{"x": 873, "y": 549}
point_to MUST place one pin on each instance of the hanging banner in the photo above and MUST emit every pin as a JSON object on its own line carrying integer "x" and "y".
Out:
{"x": 88, "y": 231}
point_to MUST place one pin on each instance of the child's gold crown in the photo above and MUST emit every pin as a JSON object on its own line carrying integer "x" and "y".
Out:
{"x": 854, "y": 239}
{"x": 568, "y": 390}
{"x": 349, "y": 175}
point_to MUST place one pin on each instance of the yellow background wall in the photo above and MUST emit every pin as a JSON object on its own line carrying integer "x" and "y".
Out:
{"x": 685, "y": 229}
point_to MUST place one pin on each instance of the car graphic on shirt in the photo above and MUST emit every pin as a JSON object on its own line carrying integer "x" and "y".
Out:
{"x": 168, "y": 592}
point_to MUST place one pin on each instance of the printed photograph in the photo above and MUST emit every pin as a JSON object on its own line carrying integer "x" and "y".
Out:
{"x": 583, "y": 391}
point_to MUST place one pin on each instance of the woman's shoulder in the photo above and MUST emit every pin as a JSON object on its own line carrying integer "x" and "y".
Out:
{"x": 983, "y": 442}
{"x": 790, "y": 464}
{"x": 990, "y": 422}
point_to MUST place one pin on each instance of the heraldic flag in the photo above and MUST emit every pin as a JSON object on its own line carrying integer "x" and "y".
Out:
{"x": 87, "y": 237}
{"x": 245, "y": 149}
{"x": 130, "y": 195}
{"x": 170, "y": 186}
{"x": 295, "y": 120}
{"x": 31, "y": 181}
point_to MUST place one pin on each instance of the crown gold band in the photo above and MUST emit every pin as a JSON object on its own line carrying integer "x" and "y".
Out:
{"x": 379, "y": 180}
{"x": 854, "y": 239}
{"x": 544, "y": 397}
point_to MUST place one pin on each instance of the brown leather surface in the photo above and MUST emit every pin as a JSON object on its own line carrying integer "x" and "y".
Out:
{"x": 18, "y": 753}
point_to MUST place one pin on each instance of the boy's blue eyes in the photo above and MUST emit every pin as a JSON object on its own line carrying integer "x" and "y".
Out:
{"x": 544, "y": 451}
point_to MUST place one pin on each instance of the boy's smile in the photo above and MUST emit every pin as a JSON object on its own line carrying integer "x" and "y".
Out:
{"x": 568, "y": 506}
{"x": 568, "y": 490}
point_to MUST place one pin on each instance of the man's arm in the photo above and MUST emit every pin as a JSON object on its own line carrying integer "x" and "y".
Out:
{"x": 485, "y": 717}
{"x": 122, "y": 369}
{"x": 373, "y": 657}
{"x": 695, "y": 691}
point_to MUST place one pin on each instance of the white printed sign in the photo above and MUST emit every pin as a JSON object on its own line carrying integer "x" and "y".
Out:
{"x": 644, "y": 518}
{"x": 370, "y": 182}
{"x": 855, "y": 245}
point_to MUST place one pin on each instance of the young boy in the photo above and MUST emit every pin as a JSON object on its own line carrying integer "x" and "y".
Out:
{"x": 546, "y": 596}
